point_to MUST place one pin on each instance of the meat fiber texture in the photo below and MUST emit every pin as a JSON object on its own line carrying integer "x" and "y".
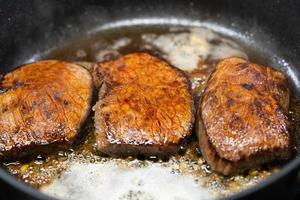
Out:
{"x": 43, "y": 106}
{"x": 242, "y": 117}
{"x": 145, "y": 107}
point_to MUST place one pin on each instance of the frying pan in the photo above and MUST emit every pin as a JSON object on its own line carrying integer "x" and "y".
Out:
{"x": 31, "y": 28}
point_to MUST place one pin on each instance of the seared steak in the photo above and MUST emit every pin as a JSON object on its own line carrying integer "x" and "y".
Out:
{"x": 43, "y": 106}
{"x": 242, "y": 117}
{"x": 145, "y": 106}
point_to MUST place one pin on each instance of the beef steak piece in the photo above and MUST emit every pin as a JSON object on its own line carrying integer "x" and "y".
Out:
{"x": 242, "y": 117}
{"x": 145, "y": 106}
{"x": 43, "y": 106}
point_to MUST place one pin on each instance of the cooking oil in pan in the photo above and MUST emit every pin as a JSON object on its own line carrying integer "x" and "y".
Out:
{"x": 81, "y": 173}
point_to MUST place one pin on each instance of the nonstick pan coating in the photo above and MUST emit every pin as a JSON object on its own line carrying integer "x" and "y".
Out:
{"x": 30, "y": 28}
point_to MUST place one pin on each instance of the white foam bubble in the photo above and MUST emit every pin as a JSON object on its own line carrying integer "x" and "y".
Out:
{"x": 121, "y": 42}
{"x": 185, "y": 50}
{"x": 109, "y": 181}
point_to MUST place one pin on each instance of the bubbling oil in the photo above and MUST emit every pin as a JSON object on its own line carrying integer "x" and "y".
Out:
{"x": 193, "y": 50}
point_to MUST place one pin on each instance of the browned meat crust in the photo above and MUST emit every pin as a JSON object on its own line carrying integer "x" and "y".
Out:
{"x": 43, "y": 106}
{"x": 242, "y": 117}
{"x": 145, "y": 106}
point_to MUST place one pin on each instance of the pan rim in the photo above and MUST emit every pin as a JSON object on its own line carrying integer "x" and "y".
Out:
{"x": 12, "y": 181}
{"x": 293, "y": 165}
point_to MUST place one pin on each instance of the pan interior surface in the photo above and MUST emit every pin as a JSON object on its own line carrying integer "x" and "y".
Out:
{"x": 62, "y": 174}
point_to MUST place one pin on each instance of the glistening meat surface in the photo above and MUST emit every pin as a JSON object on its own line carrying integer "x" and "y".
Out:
{"x": 145, "y": 106}
{"x": 242, "y": 117}
{"x": 43, "y": 106}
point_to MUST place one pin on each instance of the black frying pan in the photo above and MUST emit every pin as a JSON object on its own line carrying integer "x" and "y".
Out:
{"x": 30, "y": 28}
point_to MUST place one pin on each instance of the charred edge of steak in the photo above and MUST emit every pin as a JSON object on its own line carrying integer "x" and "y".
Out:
{"x": 32, "y": 151}
{"x": 126, "y": 150}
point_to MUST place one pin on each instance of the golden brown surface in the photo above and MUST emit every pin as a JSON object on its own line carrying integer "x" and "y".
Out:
{"x": 43, "y": 105}
{"x": 242, "y": 116}
{"x": 145, "y": 106}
